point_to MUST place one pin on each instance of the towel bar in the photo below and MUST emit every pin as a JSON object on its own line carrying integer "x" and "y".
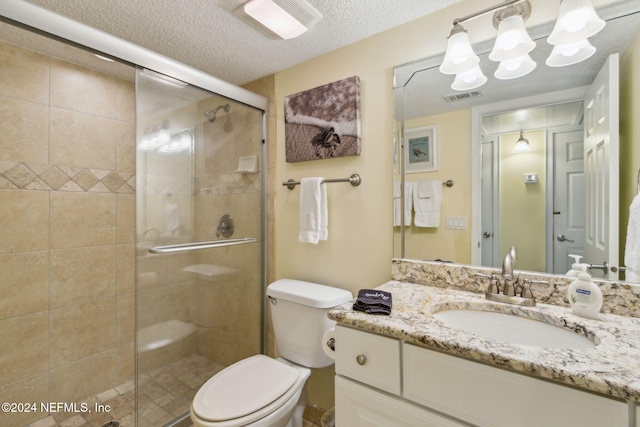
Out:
{"x": 354, "y": 180}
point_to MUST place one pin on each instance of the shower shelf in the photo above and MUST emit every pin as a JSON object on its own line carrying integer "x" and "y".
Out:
{"x": 185, "y": 247}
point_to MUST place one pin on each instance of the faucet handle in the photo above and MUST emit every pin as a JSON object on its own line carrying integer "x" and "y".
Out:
{"x": 526, "y": 291}
{"x": 493, "y": 287}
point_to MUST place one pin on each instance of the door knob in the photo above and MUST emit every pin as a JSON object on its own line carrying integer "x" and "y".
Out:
{"x": 486, "y": 234}
{"x": 563, "y": 238}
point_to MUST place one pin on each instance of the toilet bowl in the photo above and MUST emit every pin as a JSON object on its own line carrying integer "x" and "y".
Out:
{"x": 257, "y": 391}
{"x": 260, "y": 391}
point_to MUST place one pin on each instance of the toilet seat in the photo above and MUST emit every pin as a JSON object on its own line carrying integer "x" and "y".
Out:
{"x": 248, "y": 390}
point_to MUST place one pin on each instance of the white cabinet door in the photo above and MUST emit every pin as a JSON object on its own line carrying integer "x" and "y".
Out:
{"x": 360, "y": 406}
{"x": 488, "y": 396}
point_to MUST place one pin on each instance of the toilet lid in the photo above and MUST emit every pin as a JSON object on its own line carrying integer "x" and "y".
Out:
{"x": 243, "y": 388}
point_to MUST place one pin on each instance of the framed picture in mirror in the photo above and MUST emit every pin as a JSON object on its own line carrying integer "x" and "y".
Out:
{"x": 421, "y": 149}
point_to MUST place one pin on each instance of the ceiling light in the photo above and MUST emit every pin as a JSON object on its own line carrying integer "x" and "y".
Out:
{"x": 513, "y": 40}
{"x": 284, "y": 19}
{"x": 577, "y": 20}
{"x": 459, "y": 56}
{"x": 570, "y": 53}
{"x": 469, "y": 79}
{"x": 514, "y": 68}
{"x": 522, "y": 145}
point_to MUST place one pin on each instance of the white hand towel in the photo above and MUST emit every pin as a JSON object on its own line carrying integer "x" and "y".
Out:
{"x": 313, "y": 210}
{"x": 632, "y": 246}
{"x": 427, "y": 200}
{"x": 408, "y": 203}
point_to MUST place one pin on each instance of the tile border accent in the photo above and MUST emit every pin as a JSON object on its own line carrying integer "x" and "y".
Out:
{"x": 35, "y": 176}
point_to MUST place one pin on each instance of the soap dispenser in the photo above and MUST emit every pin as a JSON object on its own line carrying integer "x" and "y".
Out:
{"x": 585, "y": 297}
{"x": 576, "y": 266}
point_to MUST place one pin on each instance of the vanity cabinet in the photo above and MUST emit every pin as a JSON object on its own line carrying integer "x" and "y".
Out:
{"x": 396, "y": 383}
{"x": 368, "y": 385}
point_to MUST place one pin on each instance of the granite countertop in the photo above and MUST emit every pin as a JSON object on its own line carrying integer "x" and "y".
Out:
{"x": 611, "y": 368}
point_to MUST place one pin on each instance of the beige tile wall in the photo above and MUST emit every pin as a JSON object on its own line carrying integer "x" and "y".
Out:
{"x": 67, "y": 234}
{"x": 227, "y": 308}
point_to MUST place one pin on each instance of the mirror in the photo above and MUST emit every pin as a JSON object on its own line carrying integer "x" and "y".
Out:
{"x": 499, "y": 199}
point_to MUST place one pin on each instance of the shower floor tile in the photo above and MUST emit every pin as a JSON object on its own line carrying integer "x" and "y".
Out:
{"x": 164, "y": 394}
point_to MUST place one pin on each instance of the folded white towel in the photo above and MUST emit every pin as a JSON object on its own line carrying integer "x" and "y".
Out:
{"x": 427, "y": 199}
{"x": 313, "y": 210}
{"x": 632, "y": 245}
{"x": 408, "y": 203}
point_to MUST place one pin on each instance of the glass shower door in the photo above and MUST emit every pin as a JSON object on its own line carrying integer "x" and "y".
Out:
{"x": 199, "y": 179}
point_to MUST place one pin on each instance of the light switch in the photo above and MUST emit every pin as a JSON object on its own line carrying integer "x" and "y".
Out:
{"x": 530, "y": 178}
{"x": 455, "y": 223}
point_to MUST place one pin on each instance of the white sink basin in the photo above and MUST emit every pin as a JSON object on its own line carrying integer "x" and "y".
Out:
{"x": 513, "y": 329}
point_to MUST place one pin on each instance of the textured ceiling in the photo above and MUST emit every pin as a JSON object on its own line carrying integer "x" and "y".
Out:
{"x": 206, "y": 35}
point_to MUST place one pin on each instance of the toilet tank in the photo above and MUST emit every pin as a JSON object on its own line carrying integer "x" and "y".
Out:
{"x": 299, "y": 314}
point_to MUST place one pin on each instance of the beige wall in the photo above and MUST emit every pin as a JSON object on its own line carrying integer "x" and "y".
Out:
{"x": 67, "y": 241}
{"x": 523, "y": 206}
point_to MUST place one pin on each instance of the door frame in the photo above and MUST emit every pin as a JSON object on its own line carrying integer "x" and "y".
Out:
{"x": 568, "y": 95}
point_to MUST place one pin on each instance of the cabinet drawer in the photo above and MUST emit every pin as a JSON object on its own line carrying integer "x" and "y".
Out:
{"x": 489, "y": 396}
{"x": 368, "y": 358}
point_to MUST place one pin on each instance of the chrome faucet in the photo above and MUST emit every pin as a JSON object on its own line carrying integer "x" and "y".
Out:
{"x": 509, "y": 287}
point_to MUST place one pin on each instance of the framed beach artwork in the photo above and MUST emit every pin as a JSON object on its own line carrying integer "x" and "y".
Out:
{"x": 421, "y": 150}
{"x": 323, "y": 122}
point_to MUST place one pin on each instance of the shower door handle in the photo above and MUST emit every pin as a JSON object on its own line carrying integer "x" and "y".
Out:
{"x": 185, "y": 247}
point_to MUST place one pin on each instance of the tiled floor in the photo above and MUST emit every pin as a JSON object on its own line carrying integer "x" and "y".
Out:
{"x": 119, "y": 400}
{"x": 164, "y": 394}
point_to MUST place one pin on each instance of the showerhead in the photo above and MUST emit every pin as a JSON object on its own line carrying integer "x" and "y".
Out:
{"x": 211, "y": 114}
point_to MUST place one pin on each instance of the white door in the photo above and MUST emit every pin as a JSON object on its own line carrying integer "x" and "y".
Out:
{"x": 490, "y": 239}
{"x": 601, "y": 170}
{"x": 568, "y": 197}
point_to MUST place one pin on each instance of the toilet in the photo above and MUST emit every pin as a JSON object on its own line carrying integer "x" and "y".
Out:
{"x": 260, "y": 391}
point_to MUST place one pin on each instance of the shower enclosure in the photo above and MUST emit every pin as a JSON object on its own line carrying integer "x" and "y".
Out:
{"x": 102, "y": 167}
{"x": 198, "y": 186}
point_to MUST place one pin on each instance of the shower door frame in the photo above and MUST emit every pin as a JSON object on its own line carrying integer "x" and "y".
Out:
{"x": 47, "y": 23}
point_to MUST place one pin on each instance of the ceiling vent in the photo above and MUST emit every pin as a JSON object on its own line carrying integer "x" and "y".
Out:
{"x": 462, "y": 96}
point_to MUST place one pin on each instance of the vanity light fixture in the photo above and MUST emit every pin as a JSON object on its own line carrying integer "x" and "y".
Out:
{"x": 512, "y": 43}
{"x": 459, "y": 57}
{"x": 522, "y": 145}
{"x": 280, "y": 19}
{"x": 570, "y": 53}
{"x": 469, "y": 79}
{"x": 514, "y": 68}
{"x": 577, "y": 21}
